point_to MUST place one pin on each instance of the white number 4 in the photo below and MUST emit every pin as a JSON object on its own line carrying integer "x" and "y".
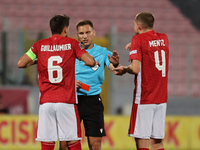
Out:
{"x": 157, "y": 62}
{"x": 52, "y": 68}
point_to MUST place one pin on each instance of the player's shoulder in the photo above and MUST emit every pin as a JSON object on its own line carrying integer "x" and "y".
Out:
{"x": 138, "y": 36}
{"x": 43, "y": 40}
{"x": 161, "y": 34}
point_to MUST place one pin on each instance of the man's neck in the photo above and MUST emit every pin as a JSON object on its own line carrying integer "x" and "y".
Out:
{"x": 144, "y": 31}
{"x": 91, "y": 45}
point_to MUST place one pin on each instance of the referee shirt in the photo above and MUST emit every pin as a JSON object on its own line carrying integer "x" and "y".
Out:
{"x": 90, "y": 76}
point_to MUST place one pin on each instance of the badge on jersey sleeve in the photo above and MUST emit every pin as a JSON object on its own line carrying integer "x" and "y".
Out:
{"x": 95, "y": 67}
{"x": 81, "y": 45}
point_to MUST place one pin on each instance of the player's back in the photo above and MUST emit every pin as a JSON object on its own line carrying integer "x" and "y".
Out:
{"x": 154, "y": 68}
{"x": 56, "y": 68}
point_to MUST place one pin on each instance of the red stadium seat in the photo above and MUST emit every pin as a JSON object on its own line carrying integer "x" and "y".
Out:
{"x": 195, "y": 89}
{"x": 177, "y": 89}
{"x": 37, "y": 23}
{"x": 160, "y": 4}
{"x": 10, "y": 10}
{"x": 8, "y": 2}
{"x": 24, "y": 1}
{"x": 24, "y": 10}
{"x": 117, "y": 3}
{"x": 36, "y": 10}
{"x": 18, "y": 22}
{"x": 35, "y": 2}
{"x": 131, "y": 3}
{"x": 102, "y": 12}
{"x": 76, "y": 3}
{"x": 101, "y": 26}
{"x": 103, "y": 3}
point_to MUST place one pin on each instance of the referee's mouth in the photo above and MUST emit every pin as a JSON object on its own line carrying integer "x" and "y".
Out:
{"x": 85, "y": 41}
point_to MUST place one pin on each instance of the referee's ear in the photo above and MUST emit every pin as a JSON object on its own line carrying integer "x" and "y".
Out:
{"x": 94, "y": 32}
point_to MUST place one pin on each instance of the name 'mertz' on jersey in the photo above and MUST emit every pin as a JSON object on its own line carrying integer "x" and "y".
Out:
{"x": 155, "y": 43}
{"x": 53, "y": 48}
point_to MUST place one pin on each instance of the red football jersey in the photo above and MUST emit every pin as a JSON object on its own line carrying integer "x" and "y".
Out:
{"x": 152, "y": 50}
{"x": 56, "y": 68}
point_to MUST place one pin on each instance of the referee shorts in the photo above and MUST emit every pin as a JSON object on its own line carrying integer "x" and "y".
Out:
{"x": 91, "y": 112}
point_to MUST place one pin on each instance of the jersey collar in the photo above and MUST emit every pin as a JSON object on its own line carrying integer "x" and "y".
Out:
{"x": 55, "y": 37}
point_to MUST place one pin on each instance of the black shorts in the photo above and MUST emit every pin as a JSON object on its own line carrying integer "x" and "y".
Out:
{"x": 91, "y": 112}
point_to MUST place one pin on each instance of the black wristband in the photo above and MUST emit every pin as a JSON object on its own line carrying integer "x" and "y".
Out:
{"x": 116, "y": 65}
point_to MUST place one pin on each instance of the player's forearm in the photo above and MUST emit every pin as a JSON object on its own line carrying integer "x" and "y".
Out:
{"x": 111, "y": 67}
{"x": 129, "y": 69}
{"x": 88, "y": 59}
{"x": 25, "y": 61}
{"x": 22, "y": 65}
{"x": 31, "y": 63}
{"x": 134, "y": 67}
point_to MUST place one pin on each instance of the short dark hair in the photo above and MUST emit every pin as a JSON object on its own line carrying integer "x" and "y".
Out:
{"x": 146, "y": 19}
{"x": 84, "y": 22}
{"x": 58, "y": 22}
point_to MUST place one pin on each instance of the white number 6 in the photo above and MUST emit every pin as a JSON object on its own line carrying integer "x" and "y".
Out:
{"x": 157, "y": 62}
{"x": 52, "y": 68}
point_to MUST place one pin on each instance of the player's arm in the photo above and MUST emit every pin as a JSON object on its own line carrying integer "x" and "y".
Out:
{"x": 128, "y": 46}
{"x": 133, "y": 68}
{"x": 27, "y": 60}
{"x": 114, "y": 59}
{"x": 88, "y": 59}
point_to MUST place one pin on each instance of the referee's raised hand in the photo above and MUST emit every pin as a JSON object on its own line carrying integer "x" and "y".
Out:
{"x": 114, "y": 59}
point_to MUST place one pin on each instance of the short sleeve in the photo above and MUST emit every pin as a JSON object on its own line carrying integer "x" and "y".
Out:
{"x": 35, "y": 48}
{"x": 78, "y": 49}
{"x": 107, "y": 62}
{"x": 135, "y": 51}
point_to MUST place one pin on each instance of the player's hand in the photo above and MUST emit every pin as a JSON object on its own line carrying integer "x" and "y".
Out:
{"x": 32, "y": 63}
{"x": 78, "y": 84}
{"x": 120, "y": 70}
{"x": 35, "y": 61}
{"x": 114, "y": 59}
{"x": 97, "y": 63}
{"x": 128, "y": 46}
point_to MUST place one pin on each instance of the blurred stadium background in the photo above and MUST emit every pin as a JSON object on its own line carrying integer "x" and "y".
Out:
{"x": 23, "y": 22}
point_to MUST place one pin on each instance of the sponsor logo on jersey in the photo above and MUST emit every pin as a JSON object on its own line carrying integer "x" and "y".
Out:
{"x": 81, "y": 46}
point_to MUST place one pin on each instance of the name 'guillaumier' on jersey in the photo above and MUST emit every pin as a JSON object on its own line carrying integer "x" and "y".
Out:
{"x": 56, "y": 47}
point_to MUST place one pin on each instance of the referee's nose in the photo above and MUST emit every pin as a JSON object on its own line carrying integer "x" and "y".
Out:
{"x": 84, "y": 35}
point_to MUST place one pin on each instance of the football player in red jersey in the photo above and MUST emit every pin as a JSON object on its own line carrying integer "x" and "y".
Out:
{"x": 149, "y": 56}
{"x": 58, "y": 113}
